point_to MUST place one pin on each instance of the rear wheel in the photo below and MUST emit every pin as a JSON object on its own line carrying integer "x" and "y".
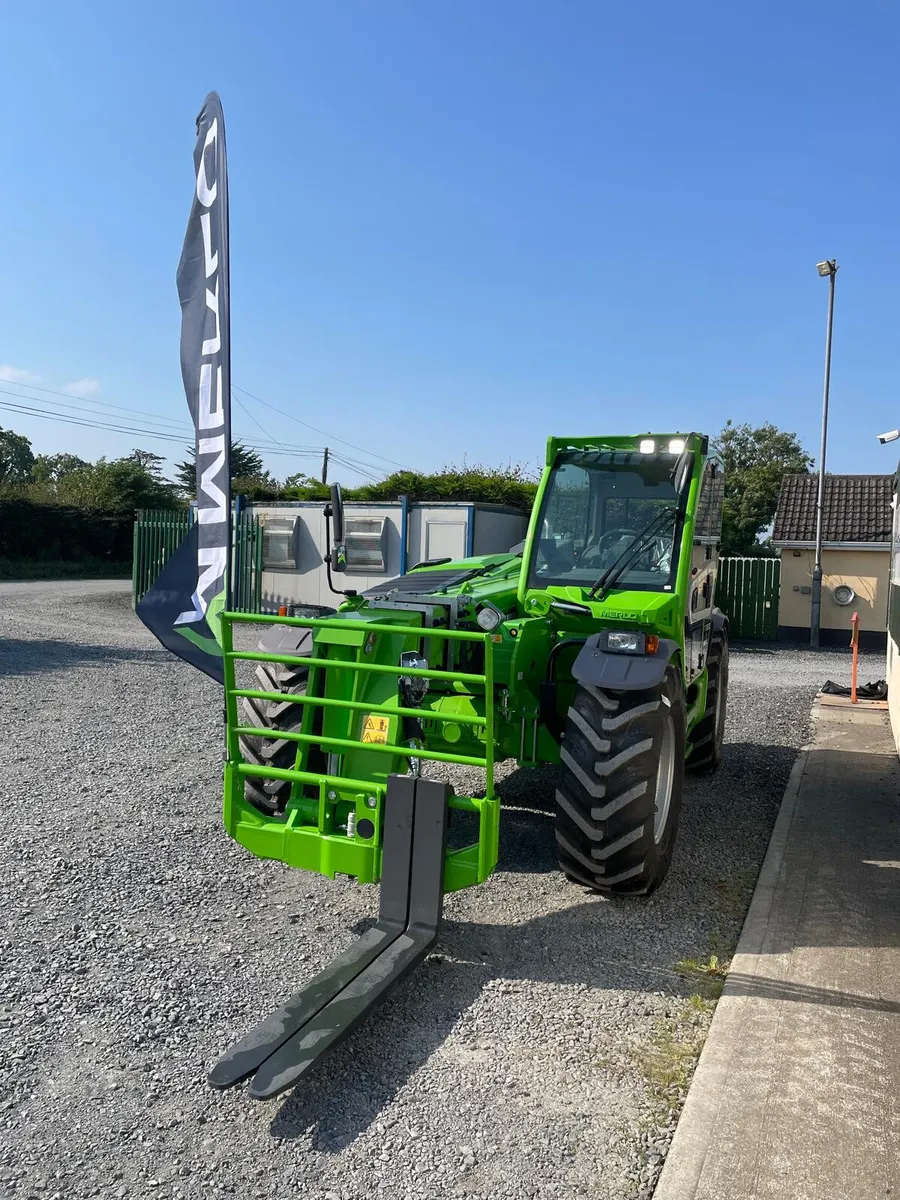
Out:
{"x": 271, "y": 795}
{"x": 620, "y": 782}
{"x": 708, "y": 735}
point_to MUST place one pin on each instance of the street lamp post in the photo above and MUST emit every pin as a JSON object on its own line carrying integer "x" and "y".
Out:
{"x": 829, "y": 270}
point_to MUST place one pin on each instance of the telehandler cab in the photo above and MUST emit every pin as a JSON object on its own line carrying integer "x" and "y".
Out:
{"x": 597, "y": 648}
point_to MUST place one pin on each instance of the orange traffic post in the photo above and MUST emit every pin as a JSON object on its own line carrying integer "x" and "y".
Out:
{"x": 854, "y": 643}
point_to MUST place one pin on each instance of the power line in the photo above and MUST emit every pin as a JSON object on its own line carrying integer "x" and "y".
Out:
{"x": 69, "y": 420}
{"x": 366, "y": 472}
{"x": 81, "y": 408}
{"x": 355, "y": 462}
{"x": 168, "y": 430}
{"x": 132, "y": 430}
{"x": 238, "y": 400}
{"x": 101, "y": 403}
{"x": 168, "y": 425}
{"x": 89, "y": 405}
{"x": 359, "y": 468}
{"x": 315, "y": 428}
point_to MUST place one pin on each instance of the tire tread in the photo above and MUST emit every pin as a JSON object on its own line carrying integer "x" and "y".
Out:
{"x": 605, "y": 800}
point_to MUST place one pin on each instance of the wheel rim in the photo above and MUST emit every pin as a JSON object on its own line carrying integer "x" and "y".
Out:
{"x": 665, "y": 778}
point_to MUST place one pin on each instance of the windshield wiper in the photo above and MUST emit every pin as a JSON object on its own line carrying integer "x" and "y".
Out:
{"x": 634, "y": 547}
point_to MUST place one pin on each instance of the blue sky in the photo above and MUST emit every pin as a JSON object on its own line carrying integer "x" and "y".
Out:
{"x": 459, "y": 227}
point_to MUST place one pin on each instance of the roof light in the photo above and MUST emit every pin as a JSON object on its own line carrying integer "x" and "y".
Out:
{"x": 676, "y": 445}
{"x": 647, "y": 446}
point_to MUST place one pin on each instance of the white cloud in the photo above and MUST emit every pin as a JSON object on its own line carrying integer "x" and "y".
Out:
{"x": 15, "y": 375}
{"x": 83, "y": 387}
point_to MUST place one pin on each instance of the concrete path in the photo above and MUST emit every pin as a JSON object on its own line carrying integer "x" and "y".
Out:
{"x": 797, "y": 1093}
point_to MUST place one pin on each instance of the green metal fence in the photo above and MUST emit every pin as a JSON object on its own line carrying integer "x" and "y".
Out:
{"x": 747, "y": 592}
{"x": 248, "y": 563}
{"x": 159, "y": 532}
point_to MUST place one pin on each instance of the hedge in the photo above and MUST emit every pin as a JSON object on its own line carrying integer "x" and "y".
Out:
{"x": 45, "y": 532}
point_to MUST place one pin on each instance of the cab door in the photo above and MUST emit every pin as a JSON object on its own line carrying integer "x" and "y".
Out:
{"x": 704, "y": 568}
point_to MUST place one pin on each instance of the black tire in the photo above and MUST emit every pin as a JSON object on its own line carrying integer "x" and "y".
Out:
{"x": 271, "y": 795}
{"x": 708, "y": 735}
{"x": 622, "y": 759}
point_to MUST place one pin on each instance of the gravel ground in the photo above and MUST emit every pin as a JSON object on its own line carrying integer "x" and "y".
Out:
{"x": 542, "y": 1051}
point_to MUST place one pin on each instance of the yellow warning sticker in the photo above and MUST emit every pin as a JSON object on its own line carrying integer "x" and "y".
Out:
{"x": 375, "y": 729}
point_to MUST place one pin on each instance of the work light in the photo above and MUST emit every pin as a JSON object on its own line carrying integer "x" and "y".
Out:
{"x": 630, "y": 641}
{"x": 488, "y": 618}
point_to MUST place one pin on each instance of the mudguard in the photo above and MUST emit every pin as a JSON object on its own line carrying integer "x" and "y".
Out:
{"x": 286, "y": 639}
{"x": 597, "y": 666}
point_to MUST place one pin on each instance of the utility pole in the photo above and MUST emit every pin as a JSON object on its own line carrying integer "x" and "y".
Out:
{"x": 325, "y": 467}
{"x": 829, "y": 270}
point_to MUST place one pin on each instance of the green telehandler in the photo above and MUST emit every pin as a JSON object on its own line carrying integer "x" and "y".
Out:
{"x": 596, "y": 647}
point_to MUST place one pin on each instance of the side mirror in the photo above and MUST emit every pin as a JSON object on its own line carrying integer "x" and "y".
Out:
{"x": 335, "y": 510}
{"x": 682, "y": 471}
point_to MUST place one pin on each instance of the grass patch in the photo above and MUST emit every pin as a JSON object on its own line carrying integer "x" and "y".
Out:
{"x": 733, "y": 894}
{"x": 701, "y": 1004}
{"x": 668, "y": 1061}
{"x": 707, "y": 976}
{"x": 89, "y": 568}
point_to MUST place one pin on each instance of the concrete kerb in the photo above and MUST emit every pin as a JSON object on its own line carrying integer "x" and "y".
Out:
{"x": 687, "y": 1155}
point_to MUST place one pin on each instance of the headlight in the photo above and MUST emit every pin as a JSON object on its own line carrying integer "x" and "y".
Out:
{"x": 676, "y": 445}
{"x": 629, "y": 641}
{"x": 647, "y": 446}
{"x": 488, "y": 618}
{"x": 413, "y": 688}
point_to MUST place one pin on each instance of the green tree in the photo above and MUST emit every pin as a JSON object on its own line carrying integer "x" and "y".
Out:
{"x": 755, "y": 461}
{"x": 123, "y": 485}
{"x": 301, "y": 486}
{"x": 52, "y": 468}
{"x": 152, "y": 463}
{"x": 116, "y": 487}
{"x": 16, "y": 457}
{"x": 246, "y": 468}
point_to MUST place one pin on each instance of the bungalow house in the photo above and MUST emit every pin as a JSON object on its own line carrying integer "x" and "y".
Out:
{"x": 892, "y": 674}
{"x": 857, "y": 516}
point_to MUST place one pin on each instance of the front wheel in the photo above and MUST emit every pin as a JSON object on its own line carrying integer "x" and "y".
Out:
{"x": 620, "y": 783}
{"x": 271, "y": 795}
{"x": 708, "y": 735}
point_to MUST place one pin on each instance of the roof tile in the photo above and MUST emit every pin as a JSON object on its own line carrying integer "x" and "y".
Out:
{"x": 855, "y": 508}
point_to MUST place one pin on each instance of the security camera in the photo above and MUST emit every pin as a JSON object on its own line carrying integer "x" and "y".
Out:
{"x": 884, "y": 438}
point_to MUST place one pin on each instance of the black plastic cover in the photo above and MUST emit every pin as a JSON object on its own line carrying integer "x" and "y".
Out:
{"x": 622, "y": 672}
{"x": 421, "y": 583}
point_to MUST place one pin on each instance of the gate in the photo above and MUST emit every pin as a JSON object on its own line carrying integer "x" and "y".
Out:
{"x": 747, "y": 592}
{"x": 159, "y": 532}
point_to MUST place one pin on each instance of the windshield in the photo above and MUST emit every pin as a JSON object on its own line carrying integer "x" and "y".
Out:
{"x": 592, "y": 512}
